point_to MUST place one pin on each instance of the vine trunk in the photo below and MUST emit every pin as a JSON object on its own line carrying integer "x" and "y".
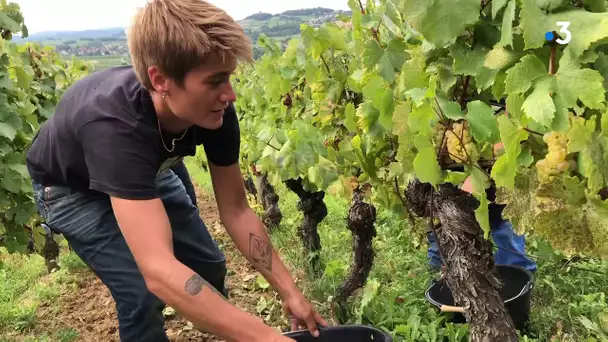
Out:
{"x": 467, "y": 258}
{"x": 314, "y": 210}
{"x": 361, "y": 219}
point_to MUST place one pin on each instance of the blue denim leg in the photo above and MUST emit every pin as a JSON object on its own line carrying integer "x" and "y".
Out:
{"x": 433, "y": 252}
{"x": 504, "y": 236}
{"x": 87, "y": 222}
{"x": 182, "y": 172}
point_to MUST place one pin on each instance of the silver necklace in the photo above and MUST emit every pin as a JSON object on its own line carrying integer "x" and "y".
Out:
{"x": 172, "y": 140}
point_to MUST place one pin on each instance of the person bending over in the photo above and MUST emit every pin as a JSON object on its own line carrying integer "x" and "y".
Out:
{"x": 102, "y": 177}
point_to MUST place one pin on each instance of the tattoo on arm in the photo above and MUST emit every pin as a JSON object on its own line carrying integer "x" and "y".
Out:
{"x": 260, "y": 251}
{"x": 195, "y": 285}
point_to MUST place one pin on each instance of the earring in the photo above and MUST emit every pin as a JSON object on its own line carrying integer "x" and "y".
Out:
{"x": 164, "y": 96}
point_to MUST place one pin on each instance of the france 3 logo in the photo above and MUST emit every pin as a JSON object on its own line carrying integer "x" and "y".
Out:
{"x": 552, "y": 35}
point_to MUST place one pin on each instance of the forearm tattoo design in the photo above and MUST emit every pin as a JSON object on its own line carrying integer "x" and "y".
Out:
{"x": 260, "y": 251}
{"x": 195, "y": 285}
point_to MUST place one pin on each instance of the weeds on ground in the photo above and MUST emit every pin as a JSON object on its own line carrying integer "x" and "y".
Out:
{"x": 25, "y": 285}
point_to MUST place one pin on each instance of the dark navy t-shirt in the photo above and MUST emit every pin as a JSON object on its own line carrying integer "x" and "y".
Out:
{"x": 104, "y": 137}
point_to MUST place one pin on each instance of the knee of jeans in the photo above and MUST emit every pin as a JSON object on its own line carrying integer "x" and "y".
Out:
{"x": 140, "y": 309}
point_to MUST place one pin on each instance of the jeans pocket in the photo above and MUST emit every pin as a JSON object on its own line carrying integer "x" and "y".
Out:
{"x": 46, "y": 196}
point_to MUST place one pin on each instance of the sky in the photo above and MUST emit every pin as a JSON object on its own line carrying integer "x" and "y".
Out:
{"x": 62, "y": 15}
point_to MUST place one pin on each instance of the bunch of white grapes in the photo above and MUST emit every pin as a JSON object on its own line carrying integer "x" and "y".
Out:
{"x": 439, "y": 135}
{"x": 460, "y": 143}
{"x": 555, "y": 162}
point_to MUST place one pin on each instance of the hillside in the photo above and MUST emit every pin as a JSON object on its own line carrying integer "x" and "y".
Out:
{"x": 113, "y": 32}
{"x": 112, "y": 41}
{"x": 285, "y": 25}
{"x": 108, "y": 47}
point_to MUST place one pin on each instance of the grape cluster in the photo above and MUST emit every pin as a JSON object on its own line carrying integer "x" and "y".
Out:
{"x": 439, "y": 135}
{"x": 555, "y": 161}
{"x": 460, "y": 143}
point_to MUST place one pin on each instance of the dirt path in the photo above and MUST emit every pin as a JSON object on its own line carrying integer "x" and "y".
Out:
{"x": 90, "y": 309}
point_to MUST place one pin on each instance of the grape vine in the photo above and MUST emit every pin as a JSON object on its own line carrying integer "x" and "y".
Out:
{"x": 443, "y": 91}
{"x": 32, "y": 79}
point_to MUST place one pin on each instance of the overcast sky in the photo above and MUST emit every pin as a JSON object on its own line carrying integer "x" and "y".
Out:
{"x": 47, "y": 15}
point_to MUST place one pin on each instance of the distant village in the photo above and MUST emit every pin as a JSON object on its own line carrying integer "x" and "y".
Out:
{"x": 93, "y": 48}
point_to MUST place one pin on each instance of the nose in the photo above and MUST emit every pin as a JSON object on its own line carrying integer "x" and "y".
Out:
{"x": 228, "y": 94}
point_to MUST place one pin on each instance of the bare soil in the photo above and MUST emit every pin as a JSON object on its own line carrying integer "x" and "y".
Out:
{"x": 90, "y": 309}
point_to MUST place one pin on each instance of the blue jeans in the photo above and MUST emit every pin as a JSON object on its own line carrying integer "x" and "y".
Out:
{"x": 87, "y": 222}
{"x": 504, "y": 236}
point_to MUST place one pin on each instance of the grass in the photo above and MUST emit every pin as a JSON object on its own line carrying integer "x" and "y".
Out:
{"x": 104, "y": 62}
{"x": 568, "y": 300}
{"x": 25, "y": 286}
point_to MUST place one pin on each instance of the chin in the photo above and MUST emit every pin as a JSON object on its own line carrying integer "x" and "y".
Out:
{"x": 212, "y": 124}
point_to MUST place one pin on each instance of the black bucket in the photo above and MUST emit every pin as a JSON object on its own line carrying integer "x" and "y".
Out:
{"x": 342, "y": 333}
{"x": 516, "y": 293}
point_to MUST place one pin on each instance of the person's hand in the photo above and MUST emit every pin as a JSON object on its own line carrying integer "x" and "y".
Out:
{"x": 302, "y": 314}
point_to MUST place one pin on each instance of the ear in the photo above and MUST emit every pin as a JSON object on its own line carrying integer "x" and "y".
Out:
{"x": 159, "y": 81}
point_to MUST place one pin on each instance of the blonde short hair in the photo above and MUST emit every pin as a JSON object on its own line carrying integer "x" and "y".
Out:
{"x": 180, "y": 35}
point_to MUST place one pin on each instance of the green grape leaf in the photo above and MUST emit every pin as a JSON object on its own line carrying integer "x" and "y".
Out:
{"x": 505, "y": 168}
{"x": 550, "y": 5}
{"x": 7, "y": 23}
{"x": 350, "y": 120}
{"x": 372, "y": 53}
{"x": 420, "y": 117}
{"x": 413, "y": 74}
{"x": 450, "y": 109}
{"x": 417, "y": 95}
{"x": 405, "y": 153}
{"x": 467, "y": 61}
{"x": 506, "y": 34}
{"x": 440, "y": 21}
{"x": 561, "y": 121}
{"x": 575, "y": 83}
{"x": 385, "y": 104}
{"x": 333, "y": 35}
{"x": 514, "y": 107}
{"x": 482, "y": 214}
{"x": 11, "y": 181}
{"x": 539, "y": 105}
{"x": 500, "y": 58}
{"x": 596, "y": 5}
{"x": 497, "y": 5}
{"x": 585, "y": 27}
{"x": 388, "y": 60}
{"x": 7, "y": 131}
{"x": 5, "y": 80}
{"x": 20, "y": 169}
{"x": 480, "y": 183}
{"x": 521, "y": 76}
{"x": 604, "y": 124}
{"x": 323, "y": 174}
{"x": 580, "y": 134}
{"x": 485, "y": 78}
{"x": 483, "y": 123}
{"x": 593, "y": 163}
{"x": 400, "y": 118}
{"x": 373, "y": 85}
{"x": 455, "y": 177}
{"x": 368, "y": 119}
{"x": 426, "y": 166}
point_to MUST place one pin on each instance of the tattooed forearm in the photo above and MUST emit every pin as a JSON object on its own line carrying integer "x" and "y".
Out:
{"x": 195, "y": 285}
{"x": 260, "y": 251}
